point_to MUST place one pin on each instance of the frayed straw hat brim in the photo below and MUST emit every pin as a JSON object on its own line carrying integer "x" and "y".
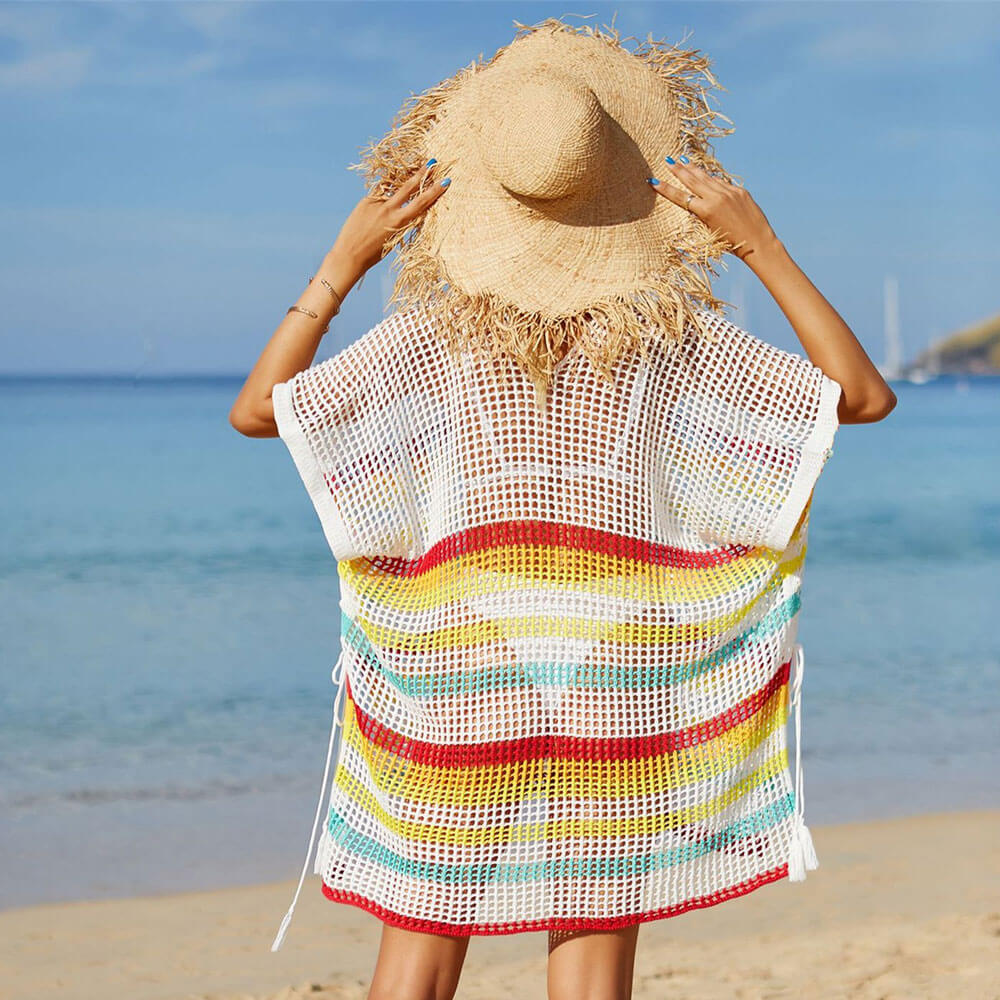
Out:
{"x": 549, "y": 221}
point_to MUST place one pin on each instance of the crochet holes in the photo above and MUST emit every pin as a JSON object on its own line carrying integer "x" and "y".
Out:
{"x": 564, "y": 464}
{"x": 565, "y": 630}
{"x": 753, "y": 422}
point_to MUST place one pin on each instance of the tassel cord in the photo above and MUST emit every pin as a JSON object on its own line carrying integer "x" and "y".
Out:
{"x": 799, "y": 666}
{"x": 802, "y": 853}
{"x": 338, "y": 675}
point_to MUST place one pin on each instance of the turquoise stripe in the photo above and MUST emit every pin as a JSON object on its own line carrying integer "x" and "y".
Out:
{"x": 623, "y": 867}
{"x": 567, "y": 675}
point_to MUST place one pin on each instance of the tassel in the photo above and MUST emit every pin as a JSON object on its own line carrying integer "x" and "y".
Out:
{"x": 802, "y": 852}
{"x": 802, "y": 855}
{"x": 284, "y": 927}
{"x": 338, "y": 679}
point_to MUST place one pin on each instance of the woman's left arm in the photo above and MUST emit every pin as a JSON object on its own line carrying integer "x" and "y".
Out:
{"x": 829, "y": 342}
{"x": 359, "y": 246}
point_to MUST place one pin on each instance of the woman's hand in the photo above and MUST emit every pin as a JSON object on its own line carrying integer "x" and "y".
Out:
{"x": 721, "y": 206}
{"x": 360, "y": 244}
{"x": 828, "y": 341}
{"x": 364, "y": 235}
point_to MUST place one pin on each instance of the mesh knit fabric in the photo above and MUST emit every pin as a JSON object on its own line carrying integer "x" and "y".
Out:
{"x": 568, "y": 635}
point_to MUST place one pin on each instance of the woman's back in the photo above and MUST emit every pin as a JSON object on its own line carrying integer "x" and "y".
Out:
{"x": 568, "y": 633}
{"x": 421, "y": 445}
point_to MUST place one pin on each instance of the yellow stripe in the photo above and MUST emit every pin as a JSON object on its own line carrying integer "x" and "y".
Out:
{"x": 464, "y": 636}
{"x": 506, "y": 567}
{"x": 441, "y": 787}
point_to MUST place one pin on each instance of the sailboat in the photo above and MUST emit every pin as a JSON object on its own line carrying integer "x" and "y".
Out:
{"x": 893, "y": 369}
{"x": 918, "y": 376}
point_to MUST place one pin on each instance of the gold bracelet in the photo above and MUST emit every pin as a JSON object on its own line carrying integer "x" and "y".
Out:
{"x": 307, "y": 312}
{"x": 333, "y": 293}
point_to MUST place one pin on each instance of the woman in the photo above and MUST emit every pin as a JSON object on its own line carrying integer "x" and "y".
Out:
{"x": 569, "y": 509}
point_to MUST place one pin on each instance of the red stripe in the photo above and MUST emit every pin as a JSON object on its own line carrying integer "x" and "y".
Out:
{"x": 554, "y": 923}
{"x": 547, "y": 533}
{"x": 567, "y": 747}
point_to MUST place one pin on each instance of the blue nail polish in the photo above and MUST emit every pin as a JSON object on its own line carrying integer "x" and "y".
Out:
{"x": 653, "y": 180}
{"x": 431, "y": 162}
{"x": 445, "y": 182}
{"x": 669, "y": 159}
{"x": 684, "y": 159}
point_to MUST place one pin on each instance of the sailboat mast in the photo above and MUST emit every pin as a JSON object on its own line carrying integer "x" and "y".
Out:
{"x": 893, "y": 340}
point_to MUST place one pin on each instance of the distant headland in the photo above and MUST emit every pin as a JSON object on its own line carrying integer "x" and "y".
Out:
{"x": 974, "y": 350}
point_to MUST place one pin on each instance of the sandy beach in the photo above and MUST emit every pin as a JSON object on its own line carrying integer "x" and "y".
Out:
{"x": 904, "y": 908}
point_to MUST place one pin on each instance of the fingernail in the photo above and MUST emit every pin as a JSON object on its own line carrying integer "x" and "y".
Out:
{"x": 431, "y": 162}
{"x": 445, "y": 182}
{"x": 669, "y": 159}
{"x": 684, "y": 159}
{"x": 652, "y": 180}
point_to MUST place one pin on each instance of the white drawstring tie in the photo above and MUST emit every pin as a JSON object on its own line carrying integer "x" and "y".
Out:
{"x": 802, "y": 855}
{"x": 338, "y": 679}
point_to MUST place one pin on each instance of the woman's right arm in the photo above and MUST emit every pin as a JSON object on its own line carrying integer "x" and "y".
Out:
{"x": 828, "y": 341}
{"x": 360, "y": 245}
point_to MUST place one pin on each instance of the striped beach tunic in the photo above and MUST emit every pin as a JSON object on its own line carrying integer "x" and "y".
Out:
{"x": 568, "y": 633}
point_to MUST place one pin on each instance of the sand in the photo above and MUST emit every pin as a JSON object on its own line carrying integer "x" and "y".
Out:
{"x": 905, "y": 908}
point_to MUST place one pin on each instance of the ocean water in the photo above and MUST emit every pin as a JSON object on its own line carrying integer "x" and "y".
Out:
{"x": 169, "y": 620}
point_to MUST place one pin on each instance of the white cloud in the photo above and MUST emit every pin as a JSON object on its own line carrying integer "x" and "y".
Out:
{"x": 969, "y": 138}
{"x": 759, "y": 18}
{"x": 167, "y": 44}
{"x": 58, "y": 69}
{"x": 919, "y": 36}
{"x": 301, "y": 94}
{"x": 859, "y": 35}
{"x": 97, "y": 230}
{"x": 46, "y": 56}
{"x": 215, "y": 21}
{"x": 27, "y": 23}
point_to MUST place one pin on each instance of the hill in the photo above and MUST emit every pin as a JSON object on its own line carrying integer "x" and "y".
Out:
{"x": 972, "y": 351}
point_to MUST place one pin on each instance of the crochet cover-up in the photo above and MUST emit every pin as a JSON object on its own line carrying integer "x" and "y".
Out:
{"x": 568, "y": 636}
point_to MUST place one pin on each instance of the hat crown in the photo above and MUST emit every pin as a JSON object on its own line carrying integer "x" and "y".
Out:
{"x": 551, "y": 223}
{"x": 543, "y": 136}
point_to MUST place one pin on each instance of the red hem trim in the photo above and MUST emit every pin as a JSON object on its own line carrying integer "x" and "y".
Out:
{"x": 525, "y": 926}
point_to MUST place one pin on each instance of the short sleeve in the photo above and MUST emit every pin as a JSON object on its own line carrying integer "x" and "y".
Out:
{"x": 752, "y": 428}
{"x": 344, "y": 421}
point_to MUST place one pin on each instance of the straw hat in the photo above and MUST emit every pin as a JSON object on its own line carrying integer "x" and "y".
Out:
{"x": 550, "y": 222}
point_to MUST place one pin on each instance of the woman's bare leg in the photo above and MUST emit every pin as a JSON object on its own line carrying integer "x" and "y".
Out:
{"x": 412, "y": 965}
{"x": 592, "y": 965}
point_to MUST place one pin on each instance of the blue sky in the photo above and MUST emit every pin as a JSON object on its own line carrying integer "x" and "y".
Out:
{"x": 173, "y": 173}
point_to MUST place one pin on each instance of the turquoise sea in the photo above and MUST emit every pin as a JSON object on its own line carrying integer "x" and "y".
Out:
{"x": 169, "y": 621}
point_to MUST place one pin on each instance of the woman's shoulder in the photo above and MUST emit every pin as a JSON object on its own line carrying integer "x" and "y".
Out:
{"x": 402, "y": 342}
{"x": 703, "y": 329}
{"x": 710, "y": 337}
{"x": 410, "y": 335}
